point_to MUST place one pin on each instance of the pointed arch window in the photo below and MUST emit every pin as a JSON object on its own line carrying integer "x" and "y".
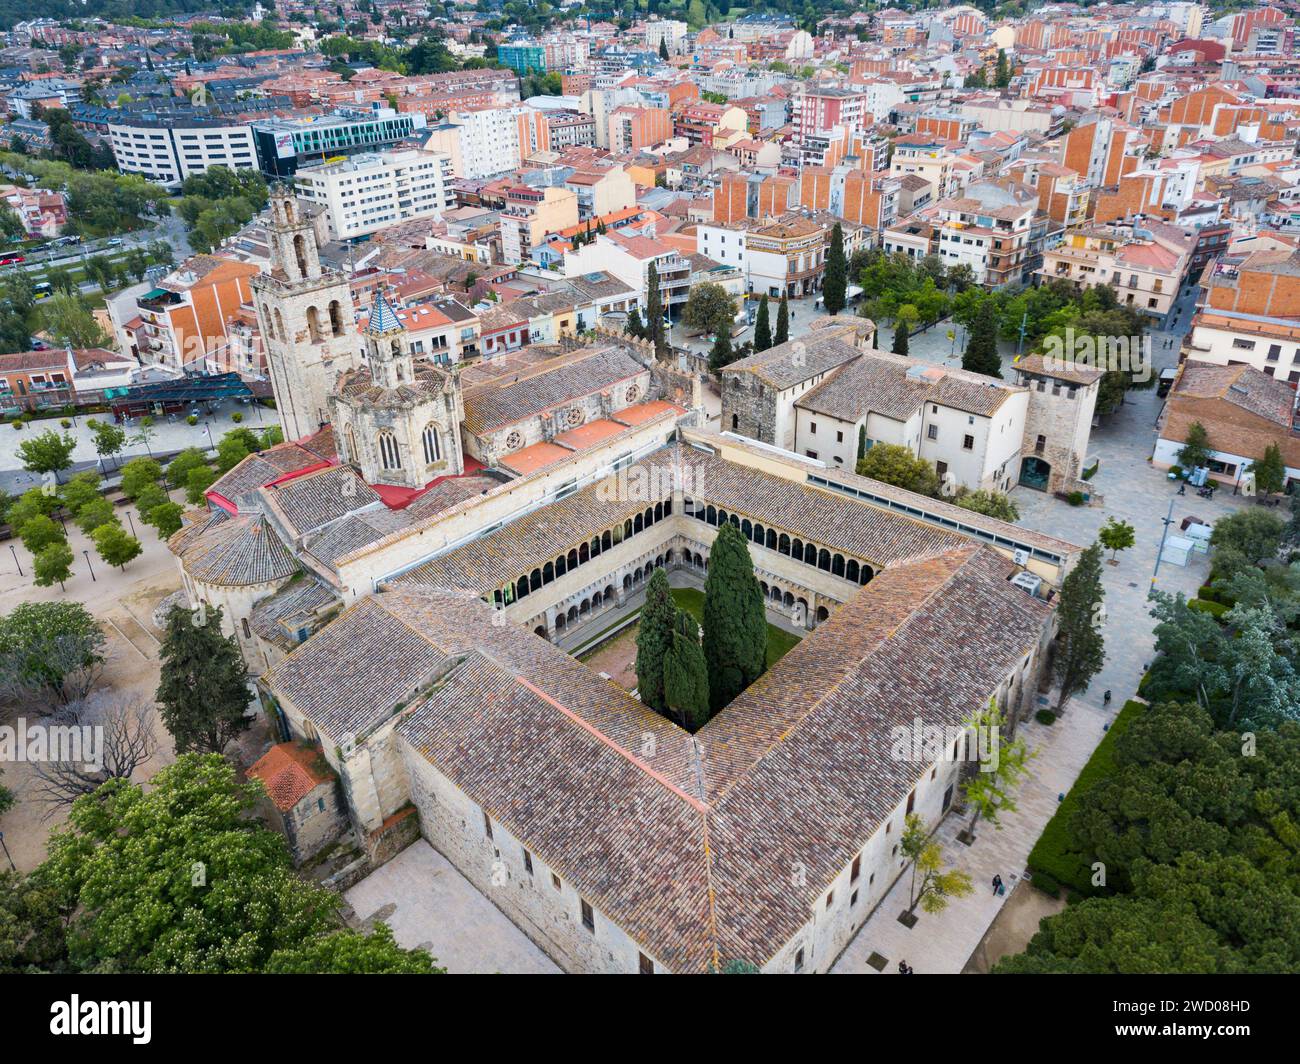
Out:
{"x": 336, "y": 318}
{"x": 389, "y": 455}
{"x": 432, "y": 449}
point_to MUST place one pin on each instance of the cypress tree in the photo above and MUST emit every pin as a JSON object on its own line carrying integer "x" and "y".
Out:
{"x": 782, "y": 321}
{"x": 762, "y": 327}
{"x": 653, "y": 638}
{"x": 981, "y": 354}
{"x": 663, "y": 47}
{"x": 686, "y": 676}
{"x": 634, "y": 326}
{"x": 900, "y": 338}
{"x": 735, "y": 627}
{"x": 203, "y": 686}
{"x": 1080, "y": 648}
{"x": 654, "y": 311}
{"x": 721, "y": 355}
{"x": 835, "y": 283}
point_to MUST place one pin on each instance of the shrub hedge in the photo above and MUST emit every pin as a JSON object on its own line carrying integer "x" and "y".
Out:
{"x": 1056, "y": 858}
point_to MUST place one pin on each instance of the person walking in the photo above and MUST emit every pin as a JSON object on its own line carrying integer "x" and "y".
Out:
{"x": 997, "y": 884}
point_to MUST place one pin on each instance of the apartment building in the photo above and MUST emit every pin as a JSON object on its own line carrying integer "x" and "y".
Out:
{"x": 482, "y": 141}
{"x": 989, "y": 229}
{"x": 927, "y": 156}
{"x": 1146, "y": 273}
{"x": 631, "y": 128}
{"x": 785, "y": 256}
{"x": 666, "y": 31}
{"x": 284, "y": 144}
{"x": 167, "y": 148}
{"x": 529, "y": 215}
{"x": 627, "y": 259}
{"x": 439, "y": 329}
{"x": 817, "y": 109}
{"x": 191, "y": 312}
{"x": 372, "y": 191}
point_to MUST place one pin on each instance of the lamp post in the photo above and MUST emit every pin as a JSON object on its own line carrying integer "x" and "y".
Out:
{"x": 6, "y": 850}
{"x": 14, "y": 551}
{"x": 132, "y": 524}
{"x": 89, "y": 566}
{"x": 1168, "y": 520}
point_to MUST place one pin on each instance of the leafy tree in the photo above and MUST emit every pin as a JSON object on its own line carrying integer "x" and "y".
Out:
{"x": 894, "y": 464}
{"x": 762, "y": 326}
{"x": 989, "y": 791}
{"x": 835, "y": 281}
{"x": 782, "y": 322}
{"x": 165, "y": 517}
{"x": 39, "y": 532}
{"x": 663, "y": 47}
{"x": 53, "y": 564}
{"x": 654, "y": 636}
{"x": 981, "y": 354}
{"x": 178, "y": 469}
{"x": 203, "y": 687}
{"x": 34, "y": 502}
{"x": 348, "y": 952}
{"x": 115, "y": 545}
{"x": 1195, "y": 451}
{"x": 686, "y": 674}
{"x": 1002, "y": 78}
{"x": 1270, "y": 471}
{"x": 50, "y": 650}
{"x": 1115, "y": 536}
{"x": 990, "y": 504}
{"x": 80, "y": 489}
{"x": 109, "y": 439}
{"x": 49, "y": 452}
{"x": 721, "y": 355}
{"x": 735, "y": 625}
{"x": 634, "y": 326}
{"x": 1080, "y": 647}
{"x": 138, "y": 474}
{"x": 936, "y": 885}
{"x": 710, "y": 309}
{"x": 1246, "y": 538}
{"x": 95, "y": 514}
{"x": 901, "y": 330}
{"x": 197, "y": 482}
{"x": 69, "y": 320}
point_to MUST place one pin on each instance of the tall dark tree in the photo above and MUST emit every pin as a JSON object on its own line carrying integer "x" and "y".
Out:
{"x": 686, "y": 674}
{"x": 981, "y": 354}
{"x": 782, "y": 321}
{"x": 762, "y": 327}
{"x": 1080, "y": 647}
{"x": 654, "y": 312}
{"x": 901, "y": 329}
{"x": 735, "y": 627}
{"x": 1002, "y": 78}
{"x": 653, "y": 639}
{"x": 203, "y": 688}
{"x": 634, "y": 326}
{"x": 721, "y": 354}
{"x": 663, "y": 47}
{"x": 835, "y": 283}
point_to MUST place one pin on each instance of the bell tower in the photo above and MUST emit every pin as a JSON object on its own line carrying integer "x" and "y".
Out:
{"x": 306, "y": 319}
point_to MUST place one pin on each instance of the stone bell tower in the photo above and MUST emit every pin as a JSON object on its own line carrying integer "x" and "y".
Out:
{"x": 397, "y": 419}
{"x": 305, "y": 314}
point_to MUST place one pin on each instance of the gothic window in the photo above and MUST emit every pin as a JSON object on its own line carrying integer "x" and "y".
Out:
{"x": 430, "y": 439}
{"x": 389, "y": 455}
{"x": 313, "y": 325}
{"x": 353, "y": 454}
{"x": 279, "y": 325}
{"x": 336, "y": 318}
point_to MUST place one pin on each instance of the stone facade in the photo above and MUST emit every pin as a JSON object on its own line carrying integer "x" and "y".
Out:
{"x": 306, "y": 319}
{"x": 1058, "y": 424}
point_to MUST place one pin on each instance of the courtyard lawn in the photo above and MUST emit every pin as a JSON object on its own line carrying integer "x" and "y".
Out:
{"x": 779, "y": 641}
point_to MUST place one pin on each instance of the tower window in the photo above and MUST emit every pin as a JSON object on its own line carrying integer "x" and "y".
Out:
{"x": 432, "y": 452}
{"x": 389, "y": 456}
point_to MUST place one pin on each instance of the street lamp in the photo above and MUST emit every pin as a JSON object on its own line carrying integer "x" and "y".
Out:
{"x": 14, "y": 551}
{"x": 6, "y": 850}
{"x": 132, "y": 524}
{"x": 89, "y": 566}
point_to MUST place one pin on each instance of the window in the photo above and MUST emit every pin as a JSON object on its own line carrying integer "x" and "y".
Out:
{"x": 247, "y": 631}
{"x": 812, "y": 427}
{"x": 839, "y": 437}
{"x": 932, "y": 432}
{"x": 856, "y": 870}
{"x": 555, "y": 881}
{"x": 853, "y": 899}
{"x": 487, "y": 824}
{"x": 911, "y": 801}
{"x": 645, "y": 966}
{"x": 830, "y": 898}
{"x": 588, "y": 917}
{"x": 528, "y": 862}
{"x": 968, "y": 443}
{"x": 389, "y": 456}
{"x": 1243, "y": 345}
{"x": 811, "y": 454}
{"x": 798, "y": 961}
{"x": 432, "y": 450}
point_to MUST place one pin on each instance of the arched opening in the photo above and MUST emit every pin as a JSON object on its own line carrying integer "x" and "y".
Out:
{"x": 584, "y": 607}
{"x": 822, "y": 614}
{"x": 353, "y": 454}
{"x": 809, "y": 554}
{"x": 787, "y": 600}
{"x": 837, "y": 565}
{"x": 735, "y": 422}
{"x": 760, "y": 535}
{"x": 279, "y": 326}
{"x": 541, "y": 630}
{"x": 432, "y": 448}
{"x": 659, "y": 511}
{"x": 572, "y": 558}
{"x": 606, "y": 541}
{"x": 763, "y": 585}
{"x": 824, "y": 560}
{"x": 627, "y": 529}
{"x": 584, "y": 554}
{"x": 851, "y": 570}
{"x": 1035, "y": 473}
{"x": 300, "y": 253}
{"x": 775, "y": 595}
{"x": 559, "y": 622}
{"x": 866, "y": 575}
{"x": 390, "y": 456}
{"x": 561, "y": 567}
{"x": 711, "y": 515}
{"x": 784, "y": 544}
{"x": 746, "y": 529}
{"x": 698, "y": 561}
{"x": 637, "y": 524}
{"x": 521, "y": 588}
{"x": 627, "y": 581}
{"x": 796, "y": 550}
{"x": 548, "y": 573}
{"x": 609, "y": 592}
{"x": 313, "y": 325}
{"x": 535, "y": 579}
{"x": 336, "y": 318}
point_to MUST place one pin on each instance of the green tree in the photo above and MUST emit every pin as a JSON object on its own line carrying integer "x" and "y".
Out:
{"x": 1002, "y": 78}
{"x": 178, "y": 469}
{"x": 348, "y": 952}
{"x": 1115, "y": 536}
{"x": 937, "y": 884}
{"x": 95, "y": 514}
{"x": 654, "y": 311}
{"x": 70, "y": 322}
{"x": 710, "y": 309}
{"x": 902, "y": 327}
{"x": 686, "y": 674}
{"x": 1080, "y": 646}
{"x": 80, "y": 489}
{"x": 762, "y": 327}
{"x": 981, "y": 354}
{"x": 1195, "y": 451}
{"x": 654, "y": 635}
{"x": 203, "y": 686}
{"x": 51, "y": 650}
{"x": 1270, "y": 471}
{"x": 735, "y": 625}
{"x": 49, "y": 452}
{"x": 721, "y": 354}
{"x": 138, "y": 474}
{"x": 989, "y": 790}
{"x": 165, "y": 518}
{"x": 835, "y": 281}
{"x": 663, "y": 47}
{"x": 634, "y": 326}
{"x": 109, "y": 439}
{"x": 990, "y": 504}
{"x": 53, "y": 564}
{"x": 197, "y": 482}
{"x": 782, "y": 322}
{"x": 115, "y": 545}
{"x": 894, "y": 464}
{"x": 34, "y": 502}
{"x": 1246, "y": 538}
{"x": 39, "y": 532}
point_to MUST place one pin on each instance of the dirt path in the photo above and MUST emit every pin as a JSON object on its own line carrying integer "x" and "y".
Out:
{"x": 617, "y": 659}
{"x": 1012, "y": 928}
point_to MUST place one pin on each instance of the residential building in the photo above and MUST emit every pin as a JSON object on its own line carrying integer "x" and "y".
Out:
{"x": 988, "y": 229}
{"x": 529, "y": 215}
{"x": 189, "y": 314}
{"x": 374, "y": 190}
{"x": 1146, "y": 274}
